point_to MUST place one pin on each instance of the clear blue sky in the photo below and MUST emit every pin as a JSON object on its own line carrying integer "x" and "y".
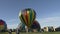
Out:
{"x": 48, "y": 11}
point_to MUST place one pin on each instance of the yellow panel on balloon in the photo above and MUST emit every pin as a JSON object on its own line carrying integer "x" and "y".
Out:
{"x": 1, "y": 27}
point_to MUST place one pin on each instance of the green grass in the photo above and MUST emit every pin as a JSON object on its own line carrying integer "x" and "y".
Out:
{"x": 32, "y": 33}
{"x": 42, "y": 33}
{"x": 51, "y": 33}
{"x": 3, "y": 32}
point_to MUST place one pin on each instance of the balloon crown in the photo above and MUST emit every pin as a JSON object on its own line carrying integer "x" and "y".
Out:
{"x": 2, "y": 21}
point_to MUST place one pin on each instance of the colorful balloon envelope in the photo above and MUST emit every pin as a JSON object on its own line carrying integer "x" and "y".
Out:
{"x": 3, "y": 25}
{"x": 35, "y": 25}
{"x": 27, "y": 16}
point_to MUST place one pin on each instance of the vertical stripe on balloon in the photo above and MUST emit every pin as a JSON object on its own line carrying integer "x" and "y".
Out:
{"x": 33, "y": 15}
{"x": 22, "y": 18}
{"x": 30, "y": 16}
{"x": 28, "y": 11}
{"x": 25, "y": 18}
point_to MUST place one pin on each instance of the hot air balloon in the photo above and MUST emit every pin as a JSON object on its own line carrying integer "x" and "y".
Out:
{"x": 3, "y": 25}
{"x": 27, "y": 16}
{"x": 36, "y": 25}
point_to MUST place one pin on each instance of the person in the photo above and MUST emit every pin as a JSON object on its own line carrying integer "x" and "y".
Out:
{"x": 17, "y": 31}
{"x": 9, "y": 32}
{"x": 26, "y": 28}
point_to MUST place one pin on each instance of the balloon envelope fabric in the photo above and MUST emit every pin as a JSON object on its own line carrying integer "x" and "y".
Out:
{"x": 3, "y": 25}
{"x": 35, "y": 25}
{"x": 27, "y": 16}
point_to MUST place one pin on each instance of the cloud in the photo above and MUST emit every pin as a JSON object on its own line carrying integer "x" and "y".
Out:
{"x": 50, "y": 21}
{"x": 12, "y": 23}
{"x": 12, "y": 26}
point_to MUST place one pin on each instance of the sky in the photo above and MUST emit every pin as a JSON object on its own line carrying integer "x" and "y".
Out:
{"x": 47, "y": 11}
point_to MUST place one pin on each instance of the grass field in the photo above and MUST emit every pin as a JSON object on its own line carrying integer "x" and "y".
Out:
{"x": 32, "y": 33}
{"x": 43, "y": 33}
